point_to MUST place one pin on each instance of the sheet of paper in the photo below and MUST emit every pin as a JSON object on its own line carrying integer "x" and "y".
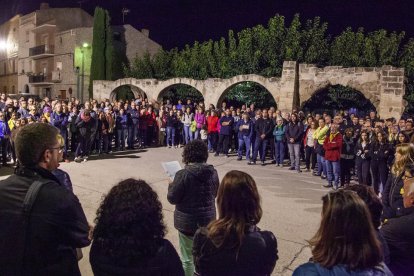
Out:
{"x": 171, "y": 168}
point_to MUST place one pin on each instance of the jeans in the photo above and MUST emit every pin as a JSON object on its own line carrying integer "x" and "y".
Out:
{"x": 260, "y": 144}
{"x": 223, "y": 144}
{"x": 83, "y": 146}
{"x": 170, "y": 135}
{"x": 334, "y": 169}
{"x": 186, "y": 250}
{"x": 363, "y": 166}
{"x": 212, "y": 140}
{"x": 310, "y": 157}
{"x": 187, "y": 135}
{"x": 244, "y": 142}
{"x": 279, "y": 151}
{"x": 379, "y": 171}
{"x": 132, "y": 130}
{"x": 321, "y": 165}
{"x": 121, "y": 138}
{"x": 197, "y": 133}
{"x": 294, "y": 152}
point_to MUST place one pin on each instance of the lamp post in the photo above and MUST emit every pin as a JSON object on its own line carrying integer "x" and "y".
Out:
{"x": 83, "y": 48}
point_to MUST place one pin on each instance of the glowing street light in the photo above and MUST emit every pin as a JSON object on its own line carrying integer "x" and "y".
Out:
{"x": 3, "y": 45}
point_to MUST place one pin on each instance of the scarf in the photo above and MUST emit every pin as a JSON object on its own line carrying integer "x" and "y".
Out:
{"x": 348, "y": 143}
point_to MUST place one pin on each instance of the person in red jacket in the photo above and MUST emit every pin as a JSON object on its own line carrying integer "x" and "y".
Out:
{"x": 332, "y": 146}
{"x": 212, "y": 131}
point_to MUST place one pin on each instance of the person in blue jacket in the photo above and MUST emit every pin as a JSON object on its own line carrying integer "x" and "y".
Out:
{"x": 60, "y": 120}
{"x": 280, "y": 141}
{"x": 245, "y": 129}
{"x": 121, "y": 128}
{"x": 4, "y": 138}
{"x": 133, "y": 120}
{"x": 226, "y": 123}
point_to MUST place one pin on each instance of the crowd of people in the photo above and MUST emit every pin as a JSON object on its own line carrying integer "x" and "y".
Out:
{"x": 365, "y": 229}
{"x": 337, "y": 147}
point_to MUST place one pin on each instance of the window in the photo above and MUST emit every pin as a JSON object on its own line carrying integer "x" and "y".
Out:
{"x": 59, "y": 65}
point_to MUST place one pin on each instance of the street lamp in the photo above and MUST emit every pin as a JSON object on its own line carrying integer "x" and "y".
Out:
{"x": 85, "y": 46}
{"x": 3, "y": 45}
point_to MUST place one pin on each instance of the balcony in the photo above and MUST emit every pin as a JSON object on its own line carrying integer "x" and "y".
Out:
{"x": 56, "y": 76}
{"x": 40, "y": 80}
{"x": 42, "y": 51}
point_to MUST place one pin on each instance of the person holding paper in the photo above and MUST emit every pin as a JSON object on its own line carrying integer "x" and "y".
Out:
{"x": 193, "y": 192}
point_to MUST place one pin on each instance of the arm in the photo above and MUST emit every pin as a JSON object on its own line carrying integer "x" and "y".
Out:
{"x": 176, "y": 189}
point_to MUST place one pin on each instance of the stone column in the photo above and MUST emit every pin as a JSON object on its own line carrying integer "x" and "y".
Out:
{"x": 392, "y": 91}
{"x": 287, "y": 86}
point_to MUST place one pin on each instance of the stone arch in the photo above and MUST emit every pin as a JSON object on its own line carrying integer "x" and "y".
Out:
{"x": 134, "y": 89}
{"x": 352, "y": 98}
{"x": 165, "y": 85}
{"x": 272, "y": 85}
{"x": 364, "y": 88}
{"x": 228, "y": 88}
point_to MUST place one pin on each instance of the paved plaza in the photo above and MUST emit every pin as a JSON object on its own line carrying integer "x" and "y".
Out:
{"x": 291, "y": 202}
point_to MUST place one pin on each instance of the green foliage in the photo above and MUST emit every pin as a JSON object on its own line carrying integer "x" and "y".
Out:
{"x": 262, "y": 50}
{"x": 103, "y": 54}
{"x": 98, "y": 64}
{"x": 248, "y": 93}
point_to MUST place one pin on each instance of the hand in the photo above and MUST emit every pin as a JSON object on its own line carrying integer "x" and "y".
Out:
{"x": 291, "y": 140}
{"x": 170, "y": 181}
{"x": 263, "y": 136}
{"x": 90, "y": 234}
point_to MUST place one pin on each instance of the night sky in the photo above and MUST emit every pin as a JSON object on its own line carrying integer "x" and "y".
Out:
{"x": 174, "y": 23}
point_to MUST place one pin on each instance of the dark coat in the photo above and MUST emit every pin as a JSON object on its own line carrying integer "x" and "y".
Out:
{"x": 264, "y": 126}
{"x": 193, "y": 193}
{"x": 295, "y": 131}
{"x": 164, "y": 262}
{"x": 391, "y": 196}
{"x": 58, "y": 225}
{"x": 399, "y": 234}
{"x": 257, "y": 255}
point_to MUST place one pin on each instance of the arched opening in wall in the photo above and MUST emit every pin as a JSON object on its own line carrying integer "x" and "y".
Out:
{"x": 127, "y": 92}
{"x": 246, "y": 93}
{"x": 181, "y": 92}
{"x": 338, "y": 98}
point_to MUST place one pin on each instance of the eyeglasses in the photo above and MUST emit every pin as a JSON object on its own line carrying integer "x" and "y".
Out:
{"x": 60, "y": 149}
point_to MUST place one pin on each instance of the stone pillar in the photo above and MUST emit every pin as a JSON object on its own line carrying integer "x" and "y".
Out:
{"x": 287, "y": 86}
{"x": 392, "y": 91}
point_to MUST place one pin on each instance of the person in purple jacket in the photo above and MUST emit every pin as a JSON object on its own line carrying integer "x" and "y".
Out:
{"x": 200, "y": 119}
{"x": 226, "y": 124}
{"x": 245, "y": 129}
{"x": 121, "y": 127}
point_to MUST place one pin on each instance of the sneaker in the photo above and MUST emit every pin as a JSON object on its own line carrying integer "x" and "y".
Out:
{"x": 291, "y": 168}
{"x": 263, "y": 163}
{"x": 252, "y": 163}
{"x": 307, "y": 170}
{"x": 273, "y": 162}
{"x": 328, "y": 186}
{"x": 78, "y": 159}
{"x": 85, "y": 159}
{"x": 216, "y": 154}
{"x": 323, "y": 176}
{"x": 299, "y": 171}
{"x": 176, "y": 147}
{"x": 239, "y": 158}
{"x": 315, "y": 174}
{"x": 277, "y": 165}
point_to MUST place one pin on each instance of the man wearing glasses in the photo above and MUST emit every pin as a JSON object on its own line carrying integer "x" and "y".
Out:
{"x": 40, "y": 228}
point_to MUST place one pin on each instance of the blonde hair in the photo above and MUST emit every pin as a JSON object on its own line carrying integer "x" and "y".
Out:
{"x": 406, "y": 150}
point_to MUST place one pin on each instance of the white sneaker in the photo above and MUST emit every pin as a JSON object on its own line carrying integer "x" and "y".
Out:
{"x": 85, "y": 159}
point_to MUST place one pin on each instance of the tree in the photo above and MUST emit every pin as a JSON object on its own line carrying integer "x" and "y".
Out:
{"x": 109, "y": 49}
{"x": 98, "y": 63}
{"x": 315, "y": 46}
{"x": 291, "y": 44}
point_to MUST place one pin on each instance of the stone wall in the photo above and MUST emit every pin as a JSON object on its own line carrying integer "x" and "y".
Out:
{"x": 383, "y": 86}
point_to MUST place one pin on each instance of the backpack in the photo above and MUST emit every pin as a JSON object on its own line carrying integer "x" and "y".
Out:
{"x": 18, "y": 245}
{"x": 193, "y": 126}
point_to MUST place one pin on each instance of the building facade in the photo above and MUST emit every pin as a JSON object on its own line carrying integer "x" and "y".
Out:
{"x": 49, "y": 52}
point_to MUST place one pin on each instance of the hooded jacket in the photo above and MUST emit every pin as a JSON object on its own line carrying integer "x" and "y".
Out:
{"x": 193, "y": 193}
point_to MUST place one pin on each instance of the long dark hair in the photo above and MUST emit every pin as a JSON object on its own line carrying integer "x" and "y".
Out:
{"x": 346, "y": 234}
{"x": 238, "y": 204}
{"x": 129, "y": 221}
